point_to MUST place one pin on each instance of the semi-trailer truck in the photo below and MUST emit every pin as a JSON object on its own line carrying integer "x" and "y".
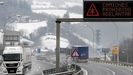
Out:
{"x": 83, "y": 52}
{"x": 16, "y": 59}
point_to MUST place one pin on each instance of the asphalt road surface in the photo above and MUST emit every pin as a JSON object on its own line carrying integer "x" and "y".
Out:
{"x": 38, "y": 66}
{"x": 105, "y": 69}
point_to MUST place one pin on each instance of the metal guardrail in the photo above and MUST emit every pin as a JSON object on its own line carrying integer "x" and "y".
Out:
{"x": 130, "y": 65}
{"x": 53, "y": 70}
{"x": 73, "y": 70}
{"x": 63, "y": 73}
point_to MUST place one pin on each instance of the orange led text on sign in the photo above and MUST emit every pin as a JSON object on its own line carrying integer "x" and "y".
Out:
{"x": 116, "y": 9}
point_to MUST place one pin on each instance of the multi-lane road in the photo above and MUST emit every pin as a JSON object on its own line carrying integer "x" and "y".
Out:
{"x": 105, "y": 69}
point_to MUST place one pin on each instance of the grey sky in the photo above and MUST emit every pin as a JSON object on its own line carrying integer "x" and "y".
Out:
{"x": 109, "y": 32}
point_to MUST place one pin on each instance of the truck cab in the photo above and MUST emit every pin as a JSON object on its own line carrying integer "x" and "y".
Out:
{"x": 13, "y": 60}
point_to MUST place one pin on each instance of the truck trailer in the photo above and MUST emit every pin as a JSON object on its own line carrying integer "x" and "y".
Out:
{"x": 11, "y": 38}
{"x": 16, "y": 59}
{"x": 83, "y": 52}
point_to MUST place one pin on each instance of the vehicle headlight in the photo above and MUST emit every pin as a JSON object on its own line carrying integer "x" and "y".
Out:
{"x": 19, "y": 69}
{"x": 4, "y": 69}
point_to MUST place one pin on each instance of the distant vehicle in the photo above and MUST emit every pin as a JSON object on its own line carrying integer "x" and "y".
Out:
{"x": 83, "y": 52}
{"x": 64, "y": 50}
{"x": 16, "y": 59}
{"x": 38, "y": 50}
{"x": 11, "y": 38}
{"x": 42, "y": 54}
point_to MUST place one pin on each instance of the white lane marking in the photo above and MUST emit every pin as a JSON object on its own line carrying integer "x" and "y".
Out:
{"x": 111, "y": 71}
{"x": 85, "y": 72}
{"x": 129, "y": 69}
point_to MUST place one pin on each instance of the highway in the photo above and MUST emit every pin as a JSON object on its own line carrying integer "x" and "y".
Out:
{"x": 105, "y": 69}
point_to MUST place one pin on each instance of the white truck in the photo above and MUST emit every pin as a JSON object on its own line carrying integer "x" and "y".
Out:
{"x": 16, "y": 59}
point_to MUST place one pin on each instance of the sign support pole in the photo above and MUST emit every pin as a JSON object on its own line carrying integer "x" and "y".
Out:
{"x": 58, "y": 46}
{"x": 75, "y": 62}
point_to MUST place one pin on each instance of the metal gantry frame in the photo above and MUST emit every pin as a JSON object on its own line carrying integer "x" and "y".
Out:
{"x": 59, "y": 20}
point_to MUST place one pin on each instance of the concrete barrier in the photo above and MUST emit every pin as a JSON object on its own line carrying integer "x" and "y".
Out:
{"x": 74, "y": 70}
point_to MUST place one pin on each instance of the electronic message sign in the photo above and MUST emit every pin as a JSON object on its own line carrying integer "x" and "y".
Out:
{"x": 108, "y": 9}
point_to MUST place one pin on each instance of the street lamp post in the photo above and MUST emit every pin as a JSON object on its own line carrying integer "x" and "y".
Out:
{"x": 132, "y": 29}
{"x": 127, "y": 54}
{"x": 93, "y": 39}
